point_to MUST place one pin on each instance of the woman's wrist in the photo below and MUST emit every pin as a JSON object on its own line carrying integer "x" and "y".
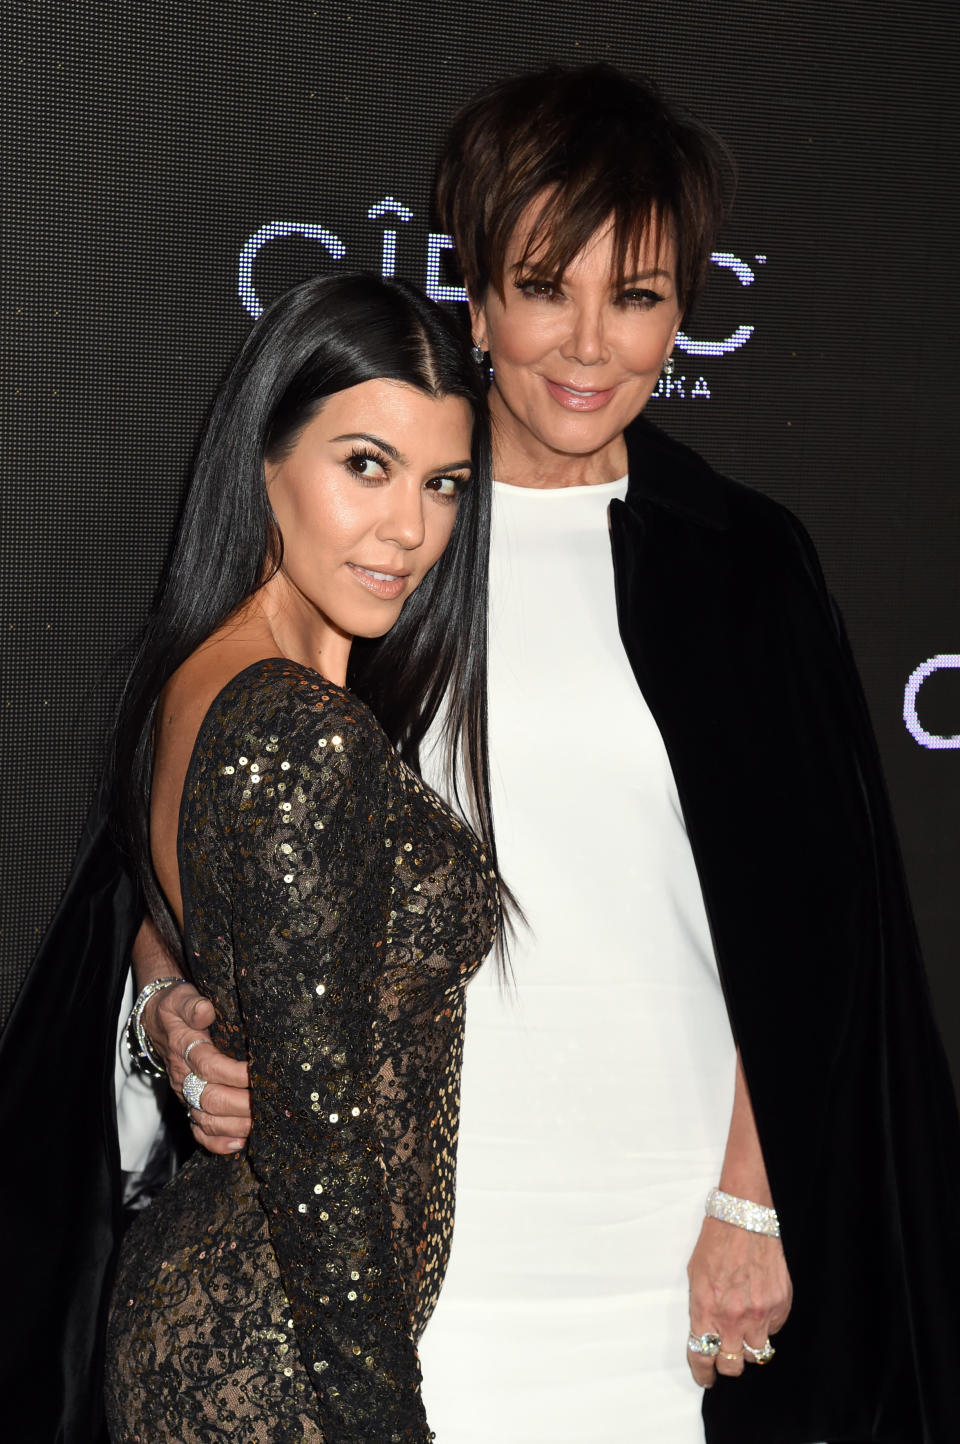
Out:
{"x": 143, "y": 1054}
{"x": 742, "y": 1213}
{"x": 746, "y": 1179}
{"x": 148, "y": 1023}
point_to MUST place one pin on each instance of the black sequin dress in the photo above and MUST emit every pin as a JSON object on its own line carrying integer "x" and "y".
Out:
{"x": 334, "y": 910}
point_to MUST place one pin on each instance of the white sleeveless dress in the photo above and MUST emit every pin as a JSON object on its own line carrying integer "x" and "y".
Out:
{"x": 597, "y": 1087}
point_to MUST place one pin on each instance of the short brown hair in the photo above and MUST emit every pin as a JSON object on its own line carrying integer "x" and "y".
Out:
{"x": 595, "y": 144}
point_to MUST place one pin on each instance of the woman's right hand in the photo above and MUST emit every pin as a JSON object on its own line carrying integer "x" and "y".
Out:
{"x": 172, "y": 1020}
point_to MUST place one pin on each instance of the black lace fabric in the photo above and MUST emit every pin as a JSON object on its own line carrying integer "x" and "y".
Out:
{"x": 334, "y": 911}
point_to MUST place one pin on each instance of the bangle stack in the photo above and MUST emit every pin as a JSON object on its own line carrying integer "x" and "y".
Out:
{"x": 742, "y": 1213}
{"x": 143, "y": 1056}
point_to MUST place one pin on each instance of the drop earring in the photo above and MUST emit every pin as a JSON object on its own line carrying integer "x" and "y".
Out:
{"x": 668, "y": 366}
{"x": 478, "y": 354}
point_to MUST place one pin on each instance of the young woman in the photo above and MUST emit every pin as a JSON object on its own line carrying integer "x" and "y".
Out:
{"x": 331, "y": 907}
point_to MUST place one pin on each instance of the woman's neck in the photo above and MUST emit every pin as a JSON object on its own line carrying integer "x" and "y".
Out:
{"x": 296, "y": 630}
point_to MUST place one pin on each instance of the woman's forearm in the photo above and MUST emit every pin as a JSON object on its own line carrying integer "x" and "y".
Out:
{"x": 151, "y": 958}
{"x": 743, "y": 1173}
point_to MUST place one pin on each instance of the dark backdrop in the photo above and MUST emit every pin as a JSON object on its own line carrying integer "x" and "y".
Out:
{"x": 167, "y": 167}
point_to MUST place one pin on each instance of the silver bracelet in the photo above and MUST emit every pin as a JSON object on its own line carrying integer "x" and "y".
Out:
{"x": 142, "y": 1053}
{"x": 742, "y": 1213}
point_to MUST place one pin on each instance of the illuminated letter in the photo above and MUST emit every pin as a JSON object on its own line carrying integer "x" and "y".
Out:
{"x": 273, "y": 231}
{"x": 914, "y": 726}
{"x": 744, "y": 275}
{"x": 437, "y": 242}
{"x": 403, "y": 213}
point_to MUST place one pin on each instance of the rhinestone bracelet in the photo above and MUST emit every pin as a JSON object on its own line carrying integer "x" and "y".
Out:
{"x": 742, "y": 1213}
{"x": 142, "y": 1053}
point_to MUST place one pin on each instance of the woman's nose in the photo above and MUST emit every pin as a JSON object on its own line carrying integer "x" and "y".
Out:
{"x": 403, "y": 523}
{"x": 585, "y": 342}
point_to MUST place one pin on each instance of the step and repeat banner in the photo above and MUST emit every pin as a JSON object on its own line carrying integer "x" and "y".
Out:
{"x": 171, "y": 169}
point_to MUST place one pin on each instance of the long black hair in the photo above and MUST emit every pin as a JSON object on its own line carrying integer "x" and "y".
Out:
{"x": 320, "y": 338}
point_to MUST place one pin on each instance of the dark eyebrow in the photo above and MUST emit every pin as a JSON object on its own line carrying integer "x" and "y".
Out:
{"x": 398, "y": 456}
{"x": 530, "y": 272}
{"x": 453, "y": 466}
{"x": 391, "y": 451}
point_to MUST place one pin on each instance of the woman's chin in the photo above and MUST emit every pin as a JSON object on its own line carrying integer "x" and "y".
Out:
{"x": 369, "y": 630}
{"x": 580, "y": 434}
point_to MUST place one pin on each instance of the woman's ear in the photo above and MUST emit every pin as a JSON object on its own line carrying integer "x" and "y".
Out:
{"x": 478, "y": 323}
{"x": 673, "y": 337}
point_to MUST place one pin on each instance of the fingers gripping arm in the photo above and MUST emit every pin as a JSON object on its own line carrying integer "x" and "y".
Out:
{"x": 172, "y": 1019}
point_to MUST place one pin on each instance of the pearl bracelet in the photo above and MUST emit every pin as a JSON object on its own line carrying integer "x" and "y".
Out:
{"x": 742, "y": 1213}
{"x": 142, "y": 1053}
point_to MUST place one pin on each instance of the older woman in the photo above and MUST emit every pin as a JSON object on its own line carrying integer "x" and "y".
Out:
{"x": 719, "y": 987}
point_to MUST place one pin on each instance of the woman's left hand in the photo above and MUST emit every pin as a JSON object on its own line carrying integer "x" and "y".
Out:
{"x": 740, "y": 1289}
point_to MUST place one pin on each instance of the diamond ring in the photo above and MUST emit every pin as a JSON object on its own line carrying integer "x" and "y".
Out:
{"x": 193, "y": 1090}
{"x": 707, "y": 1344}
{"x": 763, "y": 1355}
{"x": 190, "y": 1047}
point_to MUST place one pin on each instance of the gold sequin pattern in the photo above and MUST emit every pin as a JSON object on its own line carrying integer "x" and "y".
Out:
{"x": 335, "y": 910}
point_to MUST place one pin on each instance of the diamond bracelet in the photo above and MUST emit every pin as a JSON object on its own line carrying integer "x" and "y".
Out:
{"x": 143, "y": 1057}
{"x": 742, "y": 1213}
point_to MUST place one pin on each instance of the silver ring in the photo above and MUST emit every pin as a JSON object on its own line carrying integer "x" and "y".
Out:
{"x": 709, "y": 1345}
{"x": 191, "y": 1045}
{"x": 763, "y": 1355}
{"x": 192, "y": 1089}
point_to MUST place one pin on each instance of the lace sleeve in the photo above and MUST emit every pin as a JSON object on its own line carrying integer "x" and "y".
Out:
{"x": 301, "y": 810}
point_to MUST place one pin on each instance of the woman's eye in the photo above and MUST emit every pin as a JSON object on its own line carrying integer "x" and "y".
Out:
{"x": 538, "y": 290}
{"x": 641, "y": 297}
{"x": 366, "y": 466}
{"x": 449, "y": 487}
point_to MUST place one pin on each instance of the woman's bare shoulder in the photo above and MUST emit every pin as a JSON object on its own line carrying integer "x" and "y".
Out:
{"x": 189, "y": 694}
{"x": 238, "y": 678}
{"x": 182, "y": 707}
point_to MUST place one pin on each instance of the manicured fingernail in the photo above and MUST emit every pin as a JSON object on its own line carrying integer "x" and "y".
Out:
{"x": 235, "y": 1143}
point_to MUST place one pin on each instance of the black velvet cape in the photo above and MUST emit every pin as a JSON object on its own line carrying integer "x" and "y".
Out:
{"x": 742, "y": 659}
